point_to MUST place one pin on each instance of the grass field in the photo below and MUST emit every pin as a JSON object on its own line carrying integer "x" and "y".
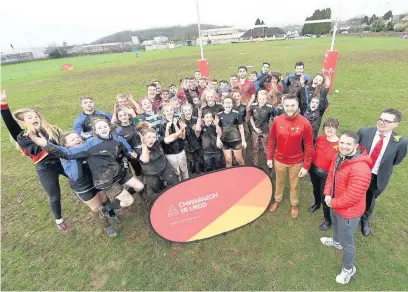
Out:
{"x": 273, "y": 253}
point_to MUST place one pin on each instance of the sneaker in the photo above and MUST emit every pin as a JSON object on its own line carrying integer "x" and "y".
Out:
{"x": 114, "y": 216}
{"x": 111, "y": 232}
{"x": 328, "y": 241}
{"x": 345, "y": 275}
{"x": 63, "y": 227}
{"x": 104, "y": 211}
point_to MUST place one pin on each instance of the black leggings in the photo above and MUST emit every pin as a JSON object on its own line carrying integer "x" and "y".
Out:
{"x": 212, "y": 161}
{"x": 318, "y": 182}
{"x": 49, "y": 179}
{"x": 194, "y": 161}
{"x": 156, "y": 182}
{"x": 136, "y": 167}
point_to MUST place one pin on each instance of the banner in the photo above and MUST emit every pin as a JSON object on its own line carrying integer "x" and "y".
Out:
{"x": 211, "y": 204}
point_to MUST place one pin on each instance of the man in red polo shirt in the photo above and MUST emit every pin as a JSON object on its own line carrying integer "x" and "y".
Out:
{"x": 246, "y": 86}
{"x": 285, "y": 152}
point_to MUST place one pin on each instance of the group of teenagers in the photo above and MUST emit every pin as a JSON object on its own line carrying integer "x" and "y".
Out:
{"x": 203, "y": 125}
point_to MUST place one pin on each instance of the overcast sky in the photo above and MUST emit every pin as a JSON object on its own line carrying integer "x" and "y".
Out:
{"x": 27, "y": 23}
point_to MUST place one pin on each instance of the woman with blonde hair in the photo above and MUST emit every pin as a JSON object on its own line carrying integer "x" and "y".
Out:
{"x": 27, "y": 121}
{"x": 208, "y": 102}
{"x": 174, "y": 150}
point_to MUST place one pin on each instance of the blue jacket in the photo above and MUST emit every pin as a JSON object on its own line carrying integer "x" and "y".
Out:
{"x": 290, "y": 80}
{"x": 83, "y": 123}
{"x": 104, "y": 157}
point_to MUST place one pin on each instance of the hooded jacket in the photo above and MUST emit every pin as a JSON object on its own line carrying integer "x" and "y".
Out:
{"x": 347, "y": 183}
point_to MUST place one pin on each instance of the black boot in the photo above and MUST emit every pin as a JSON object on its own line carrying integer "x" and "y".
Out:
{"x": 365, "y": 227}
{"x": 325, "y": 226}
{"x": 313, "y": 208}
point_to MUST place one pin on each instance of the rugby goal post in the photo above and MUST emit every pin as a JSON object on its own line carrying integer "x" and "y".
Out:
{"x": 202, "y": 64}
{"x": 331, "y": 56}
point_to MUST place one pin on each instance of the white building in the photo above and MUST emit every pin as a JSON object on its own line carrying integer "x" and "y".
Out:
{"x": 22, "y": 54}
{"x": 160, "y": 39}
{"x": 148, "y": 43}
{"x": 135, "y": 40}
{"x": 220, "y": 35}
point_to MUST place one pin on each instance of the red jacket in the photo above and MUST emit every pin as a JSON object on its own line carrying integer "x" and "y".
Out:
{"x": 350, "y": 183}
{"x": 285, "y": 140}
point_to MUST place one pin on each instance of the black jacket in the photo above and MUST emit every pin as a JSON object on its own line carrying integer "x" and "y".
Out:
{"x": 315, "y": 119}
{"x": 305, "y": 95}
{"x": 38, "y": 155}
{"x": 104, "y": 156}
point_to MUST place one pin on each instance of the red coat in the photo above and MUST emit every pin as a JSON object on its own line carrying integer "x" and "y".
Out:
{"x": 352, "y": 180}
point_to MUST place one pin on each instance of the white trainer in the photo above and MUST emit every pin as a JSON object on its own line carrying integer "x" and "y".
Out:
{"x": 345, "y": 275}
{"x": 328, "y": 241}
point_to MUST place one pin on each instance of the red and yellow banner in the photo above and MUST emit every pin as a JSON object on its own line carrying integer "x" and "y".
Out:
{"x": 211, "y": 204}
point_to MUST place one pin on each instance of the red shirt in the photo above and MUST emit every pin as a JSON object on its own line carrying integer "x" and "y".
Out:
{"x": 247, "y": 90}
{"x": 285, "y": 140}
{"x": 324, "y": 152}
{"x": 268, "y": 87}
{"x": 200, "y": 91}
{"x": 352, "y": 182}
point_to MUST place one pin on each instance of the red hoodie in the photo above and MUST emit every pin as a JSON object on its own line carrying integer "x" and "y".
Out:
{"x": 350, "y": 183}
{"x": 285, "y": 140}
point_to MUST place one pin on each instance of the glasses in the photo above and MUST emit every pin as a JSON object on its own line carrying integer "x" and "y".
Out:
{"x": 384, "y": 121}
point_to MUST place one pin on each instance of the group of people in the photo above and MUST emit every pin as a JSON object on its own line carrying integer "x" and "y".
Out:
{"x": 173, "y": 134}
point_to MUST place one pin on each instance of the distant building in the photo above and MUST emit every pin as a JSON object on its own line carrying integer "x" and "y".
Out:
{"x": 22, "y": 54}
{"x": 263, "y": 32}
{"x": 99, "y": 48}
{"x": 148, "y": 43}
{"x": 135, "y": 40}
{"x": 220, "y": 35}
{"x": 160, "y": 40}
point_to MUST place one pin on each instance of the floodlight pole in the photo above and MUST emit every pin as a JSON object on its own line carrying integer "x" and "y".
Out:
{"x": 199, "y": 32}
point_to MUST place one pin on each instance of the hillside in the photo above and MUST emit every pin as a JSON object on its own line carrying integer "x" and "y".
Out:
{"x": 172, "y": 32}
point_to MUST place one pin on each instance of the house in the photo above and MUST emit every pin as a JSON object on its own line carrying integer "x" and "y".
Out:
{"x": 224, "y": 35}
{"x": 263, "y": 32}
{"x": 23, "y": 54}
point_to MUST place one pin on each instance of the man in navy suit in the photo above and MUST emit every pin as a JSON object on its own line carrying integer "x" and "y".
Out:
{"x": 386, "y": 149}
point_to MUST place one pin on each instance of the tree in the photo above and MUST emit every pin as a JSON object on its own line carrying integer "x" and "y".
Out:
{"x": 64, "y": 44}
{"x": 378, "y": 26}
{"x": 365, "y": 20}
{"x": 55, "y": 52}
{"x": 318, "y": 28}
{"x": 257, "y": 22}
{"x": 387, "y": 15}
{"x": 372, "y": 19}
{"x": 262, "y": 22}
{"x": 400, "y": 27}
{"x": 390, "y": 26}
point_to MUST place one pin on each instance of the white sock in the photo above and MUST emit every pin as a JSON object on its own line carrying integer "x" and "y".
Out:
{"x": 59, "y": 221}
